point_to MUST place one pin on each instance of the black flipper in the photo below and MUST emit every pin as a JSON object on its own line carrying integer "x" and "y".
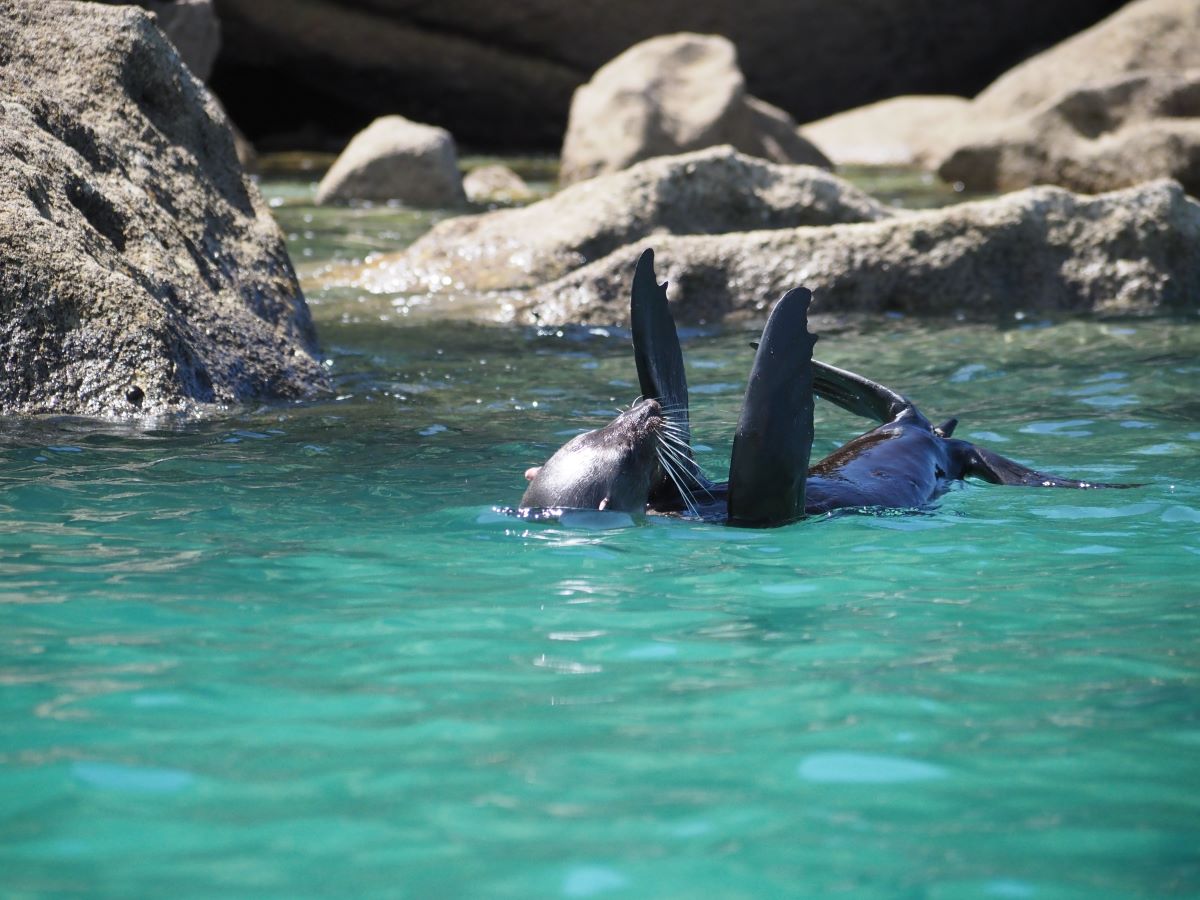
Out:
{"x": 996, "y": 469}
{"x": 854, "y": 393}
{"x": 774, "y": 437}
{"x": 659, "y": 361}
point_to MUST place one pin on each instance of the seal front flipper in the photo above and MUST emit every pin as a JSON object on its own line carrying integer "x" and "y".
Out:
{"x": 856, "y": 394}
{"x": 661, "y": 377}
{"x": 996, "y": 469}
{"x": 774, "y": 436}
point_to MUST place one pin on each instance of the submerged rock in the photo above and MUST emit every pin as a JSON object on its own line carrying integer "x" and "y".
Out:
{"x": 395, "y": 159}
{"x": 1042, "y": 249}
{"x": 140, "y": 270}
{"x": 670, "y": 95}
{"x": 710, "y": 191}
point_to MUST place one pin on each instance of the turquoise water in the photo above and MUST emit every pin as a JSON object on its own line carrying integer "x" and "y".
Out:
{"x": 292, "y": 652}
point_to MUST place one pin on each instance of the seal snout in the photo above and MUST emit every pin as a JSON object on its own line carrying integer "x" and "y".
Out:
{"x": 647, "y": 416}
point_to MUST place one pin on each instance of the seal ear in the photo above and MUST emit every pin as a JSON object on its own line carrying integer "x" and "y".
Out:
{"x": 946, "y": 429}
{"x": 775, "y": 431}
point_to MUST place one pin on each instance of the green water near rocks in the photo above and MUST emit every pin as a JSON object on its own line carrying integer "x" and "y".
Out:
{"x": 292, "y": 651}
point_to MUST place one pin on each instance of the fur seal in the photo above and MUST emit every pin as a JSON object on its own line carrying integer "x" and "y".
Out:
{"x": 904, "y": 462}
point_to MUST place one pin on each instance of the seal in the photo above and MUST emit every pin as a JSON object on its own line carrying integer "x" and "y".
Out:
{"x": 610, "y": 468}
{"x": 904, "y": 462}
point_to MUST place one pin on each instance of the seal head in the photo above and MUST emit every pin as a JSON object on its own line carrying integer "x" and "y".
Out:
{"x": 611, "y": 468}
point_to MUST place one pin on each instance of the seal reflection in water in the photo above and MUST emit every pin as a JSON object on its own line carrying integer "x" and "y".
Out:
{"x": 643, "y": 460}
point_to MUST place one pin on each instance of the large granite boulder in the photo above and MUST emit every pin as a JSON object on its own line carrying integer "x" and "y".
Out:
{"x": 191, "y": 25}
{"x": 501, "y": 75}
{"x": 1106, "y": 108}
{"x": 1096, "y": 138}
{"x": 1038, "y": 250}
{"x": 140, "y": 270}
{"x": 670, "y": 95}
{"x": 706, "y": 192}
{"x": 395, "y": 159}
{"x": 1145, "y": 35}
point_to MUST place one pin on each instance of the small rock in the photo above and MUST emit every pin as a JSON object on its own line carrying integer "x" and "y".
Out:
{"x": 496, "y": 184}
{"x": 396, "y": 159}
{"x": 670, "y": 95}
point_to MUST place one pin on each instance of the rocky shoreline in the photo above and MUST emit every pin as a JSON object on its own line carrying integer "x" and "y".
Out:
{"x": 141, "y": 273}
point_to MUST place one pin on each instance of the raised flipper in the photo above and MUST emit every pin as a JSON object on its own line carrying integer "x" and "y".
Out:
{"x": 775, "y": 431}
{"x": 996, "y": 469}
{"x": 659, "y": 361}
{"x": 854, "y": 393}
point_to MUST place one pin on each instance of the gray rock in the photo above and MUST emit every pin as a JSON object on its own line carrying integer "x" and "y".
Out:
{"x": 1096, "y": 138}
{"x": 670, "y": 95}
{"x": 709, "y": 191}
{"x": 496, "y": 184}
{"x": 501, "y": 75}
{"x": 1038, "y": 250}
{"x": 395, "y": 159}
{"x": 1107, "y": 108}
{"x": 1145, "y": 35}
{"x": 191, "y": 25}
{"x": 1112, "y": 106}
{"x": 140, "y": 271}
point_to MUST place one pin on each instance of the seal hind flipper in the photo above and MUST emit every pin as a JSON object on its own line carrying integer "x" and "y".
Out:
{"x": 996, "y": 469}
{"x": 773, "y": 443}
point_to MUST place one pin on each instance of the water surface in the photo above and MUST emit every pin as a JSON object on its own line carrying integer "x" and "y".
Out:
{"x": 292, "y": 651}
